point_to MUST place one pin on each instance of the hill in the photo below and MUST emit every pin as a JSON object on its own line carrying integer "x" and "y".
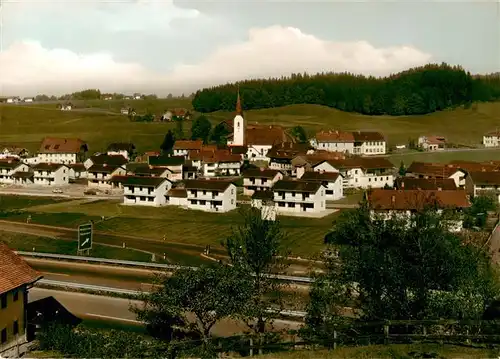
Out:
{"x": 416, "y": 91}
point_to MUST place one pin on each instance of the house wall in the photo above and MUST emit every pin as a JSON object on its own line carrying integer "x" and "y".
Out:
{"x": 146, "y": 196}
{"x": 250, "y": 185}
{"x": 60, "y": 177}
{"x": 65, "y": 158}
{"x": 102, "y": 180}
{"x": 370, "y": 148}
{"x": 221, "y": 168}
{"x": 15, "y": 310}
{"x": 334, "y": 146}
{"x": 6, "y": 173}
{"x": 205, "y": 200}
{"x": 286, "y": 202}
{"x": 124, "y": 153}
{"x": 454, "y": 225}
{"x": 459, "y": 178}
{"x": 325, "y": 167}
{"x": 258, "y": 153}
{"x": 177, "y": 201}
{"x": 181, "y": 152}
{"x": 491, "y": 141}
{"x": 334, "y": 189}
{"x": 280, "y": 166}
{"x": 77, "y": 174}
{"x": 267, "y": 209}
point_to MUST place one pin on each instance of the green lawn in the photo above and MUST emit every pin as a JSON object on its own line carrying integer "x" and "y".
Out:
{"x": 305, "y": 235}
{"x": 26, "y": 243}
{"x": 445, "y": 157}
{"x": 399, "y": 351}
{"x": 8, "y": 202}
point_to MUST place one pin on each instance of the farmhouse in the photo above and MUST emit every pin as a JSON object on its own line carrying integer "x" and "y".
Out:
{"x": 183, "y": 147}
{"x": 173, "y": 163}
{"x": 356, "y": 142}
{"x": 8, "y": 168}
{"x": 333, "y": 183}
{"x": 483, "y": 183}
{"x": 299, "y": 196}
{"x": 126, "y": 150}
{"x": 437, "y": 170}
{"x": 258, "y": 139}
{"x": 50, "y": 174}
{"x": 145, "y": 191}
{"x": 99, "y": 176}
{"x": 211, "y": 195}
{"x": 491, "y": 139}
{"x": 62, "y": 150}
{"x": 432, "y": 143}
{"x": 16, "y": 279}
{"x": 259, "y": 179}
{"x": 105, "y": 159}
{"x": 387, "y": 203}
{"x": 435, "y": 184}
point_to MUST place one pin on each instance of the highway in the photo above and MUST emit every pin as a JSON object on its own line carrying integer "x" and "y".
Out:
{"x": 88, "y": 306}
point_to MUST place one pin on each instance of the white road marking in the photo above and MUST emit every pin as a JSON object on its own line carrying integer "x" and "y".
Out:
{"x": 113, "y": 318}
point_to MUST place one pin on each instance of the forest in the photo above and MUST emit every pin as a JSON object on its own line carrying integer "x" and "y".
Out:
{"x": 420, "y": 90}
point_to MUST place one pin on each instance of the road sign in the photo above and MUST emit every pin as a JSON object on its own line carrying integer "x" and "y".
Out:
{"x": 85, "y": 237}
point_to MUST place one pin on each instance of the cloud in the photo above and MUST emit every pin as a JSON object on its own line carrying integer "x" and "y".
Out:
{"x": 27, "y": 67}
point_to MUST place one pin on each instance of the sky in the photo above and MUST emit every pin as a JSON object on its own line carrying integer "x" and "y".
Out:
{"x": 179, "y": 46}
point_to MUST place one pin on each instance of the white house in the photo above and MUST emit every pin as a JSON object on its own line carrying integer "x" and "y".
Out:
{"x": 99, "y": 176}
{"x": 124, "y": 110}
{"x": 281, "y": 155}
{"x": 264, "y": 201}
{"x": 177, "y": 197}
{"x": 260, "y": 179}
{"x": 299, "y": 196}
{"x": 77, "y": 171}
{"x": 211, "y": 195}
{"x": 28, "y": 99}
{"x": 66, "y": 107}
{"x": 184, "y": 147}
{"x": 333, "y": 182}
{"x": 127, "y": 150}
{"x": 173, "y": 163}
{"x": 50, "y": 174}
{"x": 437, "y": 170}
{"x": 357, "y": 142}
{"x": 432, "y": 143}
{"x": 145, "y": 191}
{"x": 61, "y": 150}
{"x": 385, "y": 204}
{"x": 491, "y": 139}
{"x": 482, "y": 182}
{"x": 106, "y": 159}
{"x": 10, "y": 167}
{"x": 222, "y": 165}
{"x": 361, "y": 172}
{"x": 23, "y": 178}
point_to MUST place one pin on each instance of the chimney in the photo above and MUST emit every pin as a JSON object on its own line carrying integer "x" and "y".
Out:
{"x": 393, "y": 199}
{"x": 402, "y": 185}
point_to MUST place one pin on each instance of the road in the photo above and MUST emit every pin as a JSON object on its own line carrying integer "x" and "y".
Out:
{"x": 87, "y": 306}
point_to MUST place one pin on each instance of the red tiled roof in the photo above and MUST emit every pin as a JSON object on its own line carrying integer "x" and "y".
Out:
{"x": 177, "y": 193}
{"x": 14, "y": 271}
{"x": 318, "y": 176}
{"x": 263, "y": 136}
{"x": 485, "y": 178}
{"x": 409, "y": 183}
{"x": 360, "y": 136}
{"x": 61, "y": 145}
{"x": 260, "y": 173}
{"x": 212, "y": 185}
{"x": 288, "y": 150}
{"x": 334, "y": 136}
{"x": 382, "y": 199}
{"x": 188, "y": 145}
{"x": 435, "y": 140}
{"x": 438, "y": 170}
{"x": 471, "y": 166}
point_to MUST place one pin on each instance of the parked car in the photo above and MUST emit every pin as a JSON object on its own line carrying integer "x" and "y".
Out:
{"x": 57, "y": 190}
{"x": 91, "y": 192}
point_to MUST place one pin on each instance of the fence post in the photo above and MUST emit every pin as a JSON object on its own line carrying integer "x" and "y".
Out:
{"x": 334, "y": 339}
{"x": 424, "y": 330}
{"x": 386, "y": 334}
{"x": 251, "y": 347}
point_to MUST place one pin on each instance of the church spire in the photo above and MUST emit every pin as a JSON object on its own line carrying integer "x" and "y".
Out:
{"x": 239, "y": 111}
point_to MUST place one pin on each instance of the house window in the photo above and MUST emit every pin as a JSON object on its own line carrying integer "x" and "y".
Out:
{"x": 3, "y": 300}
{"x": 232, "y": 201}
{"x": 16, "y": 296}
{"x": 3, "y": 336}
{"x": 15, "y": 327}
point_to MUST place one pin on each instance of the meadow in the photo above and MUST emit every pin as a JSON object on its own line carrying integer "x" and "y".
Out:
{"x": 100, "y": 123}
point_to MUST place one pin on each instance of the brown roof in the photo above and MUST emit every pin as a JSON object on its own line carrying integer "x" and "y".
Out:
{"x": 14, "y": 271}
{"x": 288, "y": 150}
{"x": 382, "y": 199}
{"x": 334, "y": 136}
{"x": 297, "y": 186}
{"x": 493, "y": 133}
{"x": 409, "y": 183}
{"x": 103, "y": 168}
{"x": 22, "y": 174}
{"x": 77, "y": 167}
{"x": 268, "y": 135}
{"x": 188, "y": 145}
{"x": 177, "y": 193}
{"x": 360, "y": 136}
{"x": 213, "y": 156}
{"x": 115, "y": 160}
{"x": 322, "y": 177}
{"x": 48, "y": 166}
{"x": 10, "y": 163}
{"x": 260, "y": 173}
{"x": 438, "y": 170}
{"x": 366, "y": 163}
{"x": 145, "y": 170}
{"x": 264, "y": 195}
{"x": 143, "y": 181}
{"x": 471, "y": 166}
{"x": 435, "y": 140}
{"x": 211, "y": 185}
{"x": 485, "y": 178}
{"x": 61, "y": 145}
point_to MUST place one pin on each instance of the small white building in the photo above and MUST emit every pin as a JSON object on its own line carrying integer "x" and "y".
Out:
{"x": 145, "y": 191}
{"x": 211, "y": 195}
{"x": 99, "y": 176}
{"x": 483, "y": 183}
{"x": 437, "y": 170}
{"x": 432, "y": 143}
{"x": 491, "y": 139}
{"x": 299, "y": 196}
{"x": 177, "y": 197}
{"x": 61, "y": 150}
{"x": 127, "y": 150}
{"x": 28, "y": 99}
{"x": 222, "y": 165}
{"x": 260, "y": 179}
{"x": 50, "y": 174}
{"x": 77, "y": 171}
{"x": 361, "y": 143}
{"x": 147, "y": 171}
{"x": 66, "y": 107}
{"x": 333, "y": 182}
{"x": 173, "y": 163}
{"x": 8, "y": 168}
{"x": 184, "y": 147}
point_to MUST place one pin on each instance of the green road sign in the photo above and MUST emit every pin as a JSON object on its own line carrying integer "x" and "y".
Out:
{"x": 85, "y": 236}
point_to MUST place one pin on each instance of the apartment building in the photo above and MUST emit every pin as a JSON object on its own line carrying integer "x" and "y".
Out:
{"x": 483, "y": 183}
{"x": 333, "y": 183}
{"x": 99, "y": 176}
{"x": 8, "y": 168}
{"x": 145, "y": 191}
{"x": 362, "y": 143}
{"x": 259, "y": 179}
{"x": 127, "y": 150}
{"x": 50, "y": 174}
{"x": 61, "y": 150}
{"x": 173, "y": 163}
{"x": 432, "y": 143}
{"x": 211, "y": 195}
{"x": 298, "y": 196}
{"x": 184, "y": 147}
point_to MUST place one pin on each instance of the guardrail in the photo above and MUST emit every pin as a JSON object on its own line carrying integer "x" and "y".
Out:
{"x": 141, "y": 264}
{"x": 97, "y": 288}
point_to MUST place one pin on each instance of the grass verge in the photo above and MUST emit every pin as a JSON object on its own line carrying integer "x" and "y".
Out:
{"x": 11, "y": 202}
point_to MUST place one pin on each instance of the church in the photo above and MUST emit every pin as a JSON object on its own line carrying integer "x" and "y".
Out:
{"x": 258, "y": 139}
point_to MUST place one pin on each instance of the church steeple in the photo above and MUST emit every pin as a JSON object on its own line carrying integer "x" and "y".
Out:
{"x": 239, "y": 111}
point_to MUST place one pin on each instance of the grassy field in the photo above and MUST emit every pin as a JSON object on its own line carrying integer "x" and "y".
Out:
{"x": 8, "y": 202}
{"x": 100, "y": 123}
{"x": 28, "y": 243}
{"x": 399, "y": 351}
{"x": 446, "y": 156}
{"x": 305, "y": 236}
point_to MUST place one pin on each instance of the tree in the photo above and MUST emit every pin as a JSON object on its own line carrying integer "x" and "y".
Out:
{"x": 403, "y": 268}
{"x": 168, "y": 142}
{"x": 402, "y": 169}
{"x": 257, "y": 249}
{"x": 299, "y": 134}
{"x": 209, "y": 294}
{"x": 179, "y": 128}
{"x": 219, "y": 134}
{"x": 477, "y": 214}
{"x": 200, "y": 129}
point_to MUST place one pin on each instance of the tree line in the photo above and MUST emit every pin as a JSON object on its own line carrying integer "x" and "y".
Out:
{"x": 379, "y": 269}
{"x": 416, "y": 91}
